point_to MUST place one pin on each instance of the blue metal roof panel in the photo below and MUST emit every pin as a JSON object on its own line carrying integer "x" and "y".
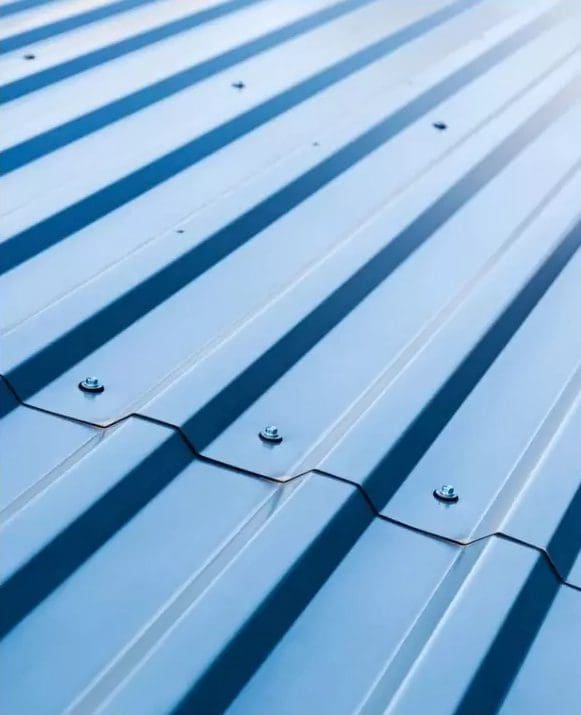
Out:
{"x": 355, "y": 219}
{"x": 35, "y": 446}
{"x": 201, "y": 589}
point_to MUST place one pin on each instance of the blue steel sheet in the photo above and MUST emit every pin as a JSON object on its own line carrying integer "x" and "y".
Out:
{"x": 131, "y": 530}
{"x": 358, "y": 220}
{"x": 34, "y": 449}
{"x": 91, "y": 335}
{"x": 546, "y": 511}
{"x": 202, "y": 589}
{"x": 513, "y": 401}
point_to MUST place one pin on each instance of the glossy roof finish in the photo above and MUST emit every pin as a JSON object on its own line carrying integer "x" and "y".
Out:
{"x": 358, "y": 220}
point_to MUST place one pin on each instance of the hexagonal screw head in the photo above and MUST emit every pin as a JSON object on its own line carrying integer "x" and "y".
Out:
{"x": 91, "y": 384}
{"x": 446, "y": 493}
{"x": 270, "y": 433}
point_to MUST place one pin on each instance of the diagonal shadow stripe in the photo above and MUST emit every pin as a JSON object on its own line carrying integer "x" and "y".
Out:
{"x": 38, "y": 146}
{"x": 54, "y": 564}
{"x": 382, "y": 483}
{"x": 22, "y": 39}
{"x": 20, "y": 6}
{"x": 33, "y": 82}
{"x": 251, "y": 645}
{"x": 55, "y": 358}
{"x": 488, "y": 688}
{"x": 250, "y": 384}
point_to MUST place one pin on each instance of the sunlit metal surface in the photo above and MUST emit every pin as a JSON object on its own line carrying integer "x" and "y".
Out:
{"x": 290, "y": 396}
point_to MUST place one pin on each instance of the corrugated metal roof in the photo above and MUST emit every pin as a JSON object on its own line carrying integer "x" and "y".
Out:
{"x": 357, "y": 220}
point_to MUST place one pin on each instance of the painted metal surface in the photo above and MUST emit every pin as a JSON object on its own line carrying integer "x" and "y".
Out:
{"x": 357, "y": 221}
{"x": 34, "y": 445}
{"x": 201, "y": 589}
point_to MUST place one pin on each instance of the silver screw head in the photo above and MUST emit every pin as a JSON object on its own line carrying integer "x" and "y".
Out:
{"x": 446, "y": 493}
{"x": 91, "y": 384}
{"x": 270, "y": 433}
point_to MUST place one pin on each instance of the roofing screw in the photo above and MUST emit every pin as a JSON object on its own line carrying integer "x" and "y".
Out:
{"x": 29, "y": 56}
{"x": 271, "y": 433}
{"x": 91, "y": 384}
{"x": 446, "y": 493}
{"x": 440, "y": 126}
{"x": 238, "y": 85}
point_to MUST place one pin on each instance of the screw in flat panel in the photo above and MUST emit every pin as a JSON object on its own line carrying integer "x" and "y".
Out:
{"x": 446, "y": 493}
{"x": 271, "y": 433}
{"x": 30, "y": 56}
{"x": 440, "y": 126}
{"x": 238, "y": 85}
{"x": 91, "y": 384}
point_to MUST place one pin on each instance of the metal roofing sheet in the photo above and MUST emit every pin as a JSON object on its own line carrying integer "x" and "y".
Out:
{"x": 34, "y": 445}
{"x": 438, "y": 644}
{"x": 358, "y": 220}
{"x": 200, "y": 589}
